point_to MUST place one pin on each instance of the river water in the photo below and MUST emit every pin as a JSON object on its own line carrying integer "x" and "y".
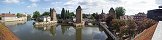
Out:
{"x": 26, "y": 31}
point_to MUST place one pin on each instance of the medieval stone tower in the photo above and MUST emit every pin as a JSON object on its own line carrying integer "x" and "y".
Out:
{"x": 79, "y": 15}
{"x": 112, "y": 13}
{"x": 53, "y": 14}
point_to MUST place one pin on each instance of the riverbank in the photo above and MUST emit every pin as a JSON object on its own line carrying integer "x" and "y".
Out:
{"x": 6, "y": 34}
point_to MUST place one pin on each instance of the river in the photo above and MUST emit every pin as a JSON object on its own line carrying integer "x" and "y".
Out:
{"x": 26, "y": 31}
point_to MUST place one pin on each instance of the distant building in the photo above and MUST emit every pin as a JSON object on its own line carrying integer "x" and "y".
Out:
{"x": 8, "y": 17}
{"x": 44, "y": 19}
{"x": 112, "y": 13}
{"x": 22, "y": 18}
{"x": 126, "y": 17}
{"x": 102, "y": 16}
{"x": 53, "y": 14}
{"x": 155, "y": 14}
{"x": 140, "y": 16}
{"x": 79, "y": 15}
{"x": 51, "y": 17}
{"x": 12, "y": 17}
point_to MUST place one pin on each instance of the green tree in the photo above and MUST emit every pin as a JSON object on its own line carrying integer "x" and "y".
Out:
{"x": 71, "y": 14}
{"x": 84, "y": 15}
{"x": 18, "y": 15}
{"x": 0, "y": 18}
{"x": 66, "y": 14}
{"x": 120, "y": 11}
{"x": 46, "y": 14}
{"x": 36, "y": 14}
{"x": 63, "y": 13}
{"x": 58, "y": 16}
{"x": 95, "y": 16}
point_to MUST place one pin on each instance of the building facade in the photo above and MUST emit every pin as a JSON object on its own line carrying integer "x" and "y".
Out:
{"x": 22, "y": 18}
{"x": 53, "y": 14}
{"x": 112, "y": 13}
{"x": 155, "y": 14}
{"x": 79, "y": 15}
{"x": 140, "y": 16}
{"x": 126, "y": 17}
{"x": 8, "y": 17}
{"x": 102, "y": 16}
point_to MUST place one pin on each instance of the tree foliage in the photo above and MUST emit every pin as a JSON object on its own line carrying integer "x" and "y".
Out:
{"x": 85, "y": 15}
{"x": 0, "y": 18}
{"x": 146, "y": 23}
{"x": 120, "y": 11}
{"x": 63, "y": 13}
{"x": 124, "y": 27}
{"x": 46, "y": 14}
{"x": 71, "y": 14}
{"x": 36, "y": 14}
{"x": 95, "y": 16}
{"x": 66, "y": 14}
{"x": 20, "y": 15}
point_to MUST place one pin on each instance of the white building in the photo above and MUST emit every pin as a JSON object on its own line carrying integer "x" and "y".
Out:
{"x": 22, "y": 18}
{"x": 126, "y": 17}
{"x": 8, "y": 17}
{"x": 44, "y": 19}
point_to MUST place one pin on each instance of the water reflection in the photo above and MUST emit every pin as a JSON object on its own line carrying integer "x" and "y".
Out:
{"x": 11, "y": 25}
{"x": 27, "y": 31}
{"x": 78, "y": 33}
{"x": 14, "y": 23}
{"x": 51, "y": 28}
{"x": 64, "y": 29}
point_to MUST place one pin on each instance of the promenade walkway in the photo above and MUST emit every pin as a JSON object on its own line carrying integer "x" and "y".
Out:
{"x": 6, "y": 34}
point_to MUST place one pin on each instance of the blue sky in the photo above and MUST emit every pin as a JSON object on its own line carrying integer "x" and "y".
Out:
{"x": 89, "y": 6}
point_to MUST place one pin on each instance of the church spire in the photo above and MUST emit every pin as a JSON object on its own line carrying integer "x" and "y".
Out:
{"x": 102, "y": 10}
{"x": 79, "y": 7}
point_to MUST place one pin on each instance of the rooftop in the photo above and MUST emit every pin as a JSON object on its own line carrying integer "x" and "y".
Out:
{"x": 152, "y": 33}
{"x": 79, "y": 7}
{"x": 7, "y": 15}
{"x": 146, "y": 34}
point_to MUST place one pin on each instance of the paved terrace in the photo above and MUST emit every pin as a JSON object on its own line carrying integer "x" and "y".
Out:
{"x": 6, "y": 34}
{"x": 158, "y": 32}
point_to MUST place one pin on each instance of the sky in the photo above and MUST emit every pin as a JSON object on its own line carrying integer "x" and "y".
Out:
{"x": 89, "y": 6}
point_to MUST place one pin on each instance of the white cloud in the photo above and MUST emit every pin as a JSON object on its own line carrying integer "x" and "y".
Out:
{"x": 131, "y": 6}
{"x": 11, "y": 1}
{"x": 47, "y": 0}
{"x": 34, "y": 1}
{"x": 32, "y": 5}
{"x": 159, "y": 2}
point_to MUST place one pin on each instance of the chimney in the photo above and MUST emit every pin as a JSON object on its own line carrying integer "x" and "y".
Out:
{"x": 9, "y": 12}
{"x": 160, "y": 6}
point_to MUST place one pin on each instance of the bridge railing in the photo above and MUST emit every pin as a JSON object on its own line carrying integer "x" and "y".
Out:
{"x": 108, "y": 33}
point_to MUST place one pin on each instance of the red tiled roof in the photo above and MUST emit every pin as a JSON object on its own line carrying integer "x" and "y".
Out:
{"x": 7, "y": 15}
{"x": 147, "y": 33}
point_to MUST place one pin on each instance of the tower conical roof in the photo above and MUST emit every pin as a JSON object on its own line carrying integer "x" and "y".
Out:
{"x": 111, "y": 10}
{"x": 52, "y": 9}
{"x": 79, "y": 7}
